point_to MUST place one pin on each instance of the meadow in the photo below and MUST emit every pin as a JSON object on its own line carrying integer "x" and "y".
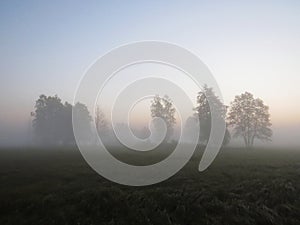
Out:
{"x": 56, "y": 186}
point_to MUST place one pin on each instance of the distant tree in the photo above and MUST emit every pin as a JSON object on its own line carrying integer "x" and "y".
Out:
{"x": 249, "y": 118}
{"x": 163, "y": 107}
{"x": 82, "y": 115}
{"x": 101, "y": 123}
{"x": 47, "y": 121}
{"x": 52, "y": 120}
{"x": 203, "y": 112}
{"x": 66, "y": 125}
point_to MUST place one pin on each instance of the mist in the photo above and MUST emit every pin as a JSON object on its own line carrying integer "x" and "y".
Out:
{"x": 20, "y": 133}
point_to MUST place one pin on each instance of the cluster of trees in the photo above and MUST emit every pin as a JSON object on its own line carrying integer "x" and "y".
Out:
{"x": 52, "y": 120}
{"x": 246, "y": 117}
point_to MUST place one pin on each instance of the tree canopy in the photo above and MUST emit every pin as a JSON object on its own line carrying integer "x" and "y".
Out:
{"x": 203, "y": 111}
{"x": 52, "y": 120}
{"x": 250, "y": 119}
{"x": 163, "y": 107}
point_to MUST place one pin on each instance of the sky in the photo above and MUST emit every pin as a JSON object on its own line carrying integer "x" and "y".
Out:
{"x": 46, "y": 46}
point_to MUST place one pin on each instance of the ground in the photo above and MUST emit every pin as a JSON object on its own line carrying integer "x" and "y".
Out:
{"x": 56, "y": 186}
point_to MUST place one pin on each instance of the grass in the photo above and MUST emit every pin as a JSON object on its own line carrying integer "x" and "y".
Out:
{"x": 261, "y": 186}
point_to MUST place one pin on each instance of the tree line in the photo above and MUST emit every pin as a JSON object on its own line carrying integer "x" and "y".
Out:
{"x": 246, "y": 117}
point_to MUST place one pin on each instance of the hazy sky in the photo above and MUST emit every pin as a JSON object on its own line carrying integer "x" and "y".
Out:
{"x": 45, "y": 47}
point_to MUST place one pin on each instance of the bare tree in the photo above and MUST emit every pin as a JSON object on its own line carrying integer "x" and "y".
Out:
{"x": 163, "y": 107}
{"x": 250, "y": 119}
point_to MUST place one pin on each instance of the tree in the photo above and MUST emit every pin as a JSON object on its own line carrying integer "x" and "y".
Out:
{"x": 163, "y": 107}
{"x": 82, "y": 115}
{"x": 101, "y": 123}
{"x": 203, "y": 112}
{"x": 48, "y": 118}
{"x": 52, "y": 121}
{"x": 66, "y": 126}
{"x": 250, "y": 119}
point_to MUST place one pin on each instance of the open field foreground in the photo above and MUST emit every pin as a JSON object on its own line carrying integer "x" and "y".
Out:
{"x": 260, "y": 186}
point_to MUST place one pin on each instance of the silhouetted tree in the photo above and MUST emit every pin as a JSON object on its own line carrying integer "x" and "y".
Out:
{"x": 249, "y": 118}
{"x": 52, "y": 121}
{"x": 66, "y": 125}
{"x": 82, "y": 115}
{"x": 48, "y": 118}
{"x": 203, "y": 112}
{"x": 163, "y": 107}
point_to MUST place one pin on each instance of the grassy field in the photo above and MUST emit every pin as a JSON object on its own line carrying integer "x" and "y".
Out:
{"x": 259, "y": 186}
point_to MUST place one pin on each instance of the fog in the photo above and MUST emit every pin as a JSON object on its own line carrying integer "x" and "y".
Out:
{"x": 21, "y": 135}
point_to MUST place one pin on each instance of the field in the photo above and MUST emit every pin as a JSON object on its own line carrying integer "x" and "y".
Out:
{"x": 258, "y": 186}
